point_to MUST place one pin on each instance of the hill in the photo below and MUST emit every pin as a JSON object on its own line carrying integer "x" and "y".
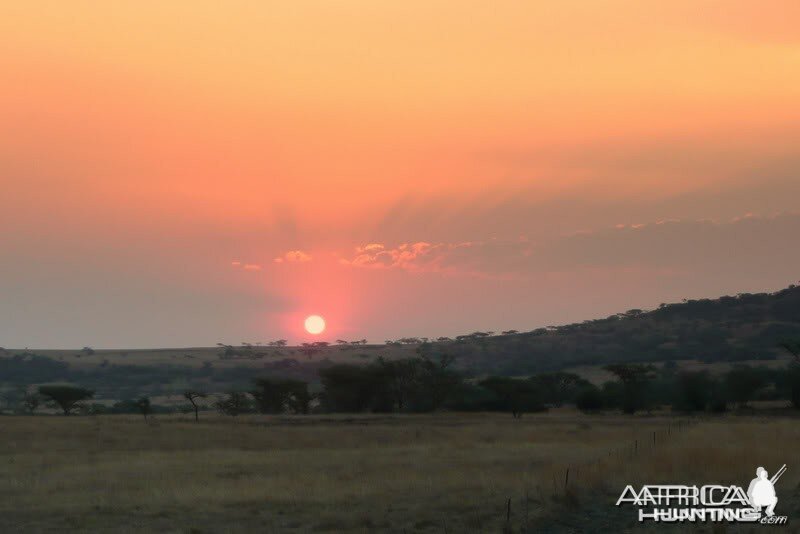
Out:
{"x": 727, "y": 329}
{"x": 739, "y": 328}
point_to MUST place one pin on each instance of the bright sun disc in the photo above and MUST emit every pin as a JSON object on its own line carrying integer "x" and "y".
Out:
{"x": 315, "y": 324}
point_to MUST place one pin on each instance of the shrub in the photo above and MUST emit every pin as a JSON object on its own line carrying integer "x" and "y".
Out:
{"x": 589, "y": 399}
{"x": 66, "y": 396}
{"x": 234, "y": 403}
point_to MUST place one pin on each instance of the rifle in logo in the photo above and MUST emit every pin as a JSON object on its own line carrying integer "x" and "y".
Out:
{"x": 778, "y": 475}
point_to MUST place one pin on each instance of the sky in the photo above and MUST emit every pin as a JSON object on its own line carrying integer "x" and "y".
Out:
{"x": 187, "y": 173}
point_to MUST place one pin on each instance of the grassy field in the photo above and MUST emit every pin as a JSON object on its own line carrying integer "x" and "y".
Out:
{"x": 427, "y": 473}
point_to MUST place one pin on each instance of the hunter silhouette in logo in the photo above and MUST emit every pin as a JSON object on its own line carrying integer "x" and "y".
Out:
{"x": 761, "y": 491}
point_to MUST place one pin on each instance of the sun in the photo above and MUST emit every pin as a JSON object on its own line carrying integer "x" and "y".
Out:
{"x": 315, "y": 324}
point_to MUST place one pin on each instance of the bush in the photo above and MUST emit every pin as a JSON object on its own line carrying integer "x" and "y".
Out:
{"x": 692, "y": 391}
{"x": 515, "y": 395}
{"x": 589, "y": 399}
{"x": 234, "y": 403}
{"x": 471, "y": 398}
{"x": 793, "y": 377}
{"x": 613, "y": 394}
{"x": 66, "y": 396}
{"x": 742, "y": 383}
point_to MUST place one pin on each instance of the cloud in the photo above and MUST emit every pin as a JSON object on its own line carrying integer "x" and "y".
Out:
{"x": 409, "y": 256}
{"x": 746, "y": 243}
{"x": 293, "y": 256}
{"x": 475, "y": 257}
{"x": 236, "y": 264}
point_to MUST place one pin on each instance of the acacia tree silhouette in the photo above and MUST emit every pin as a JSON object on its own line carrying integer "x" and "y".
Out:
{"x": 192, "y": 396}
{"x": 66, "y": 396}
{"x": 633, "y": 377}
{"x": 144, "y": 406}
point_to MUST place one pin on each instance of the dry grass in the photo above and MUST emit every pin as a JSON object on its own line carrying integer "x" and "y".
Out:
{"x": 436, "y": 473}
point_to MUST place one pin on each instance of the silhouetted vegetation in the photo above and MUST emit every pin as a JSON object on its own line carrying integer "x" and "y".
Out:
{"x": 143, "y": 404}
{"x": 792, "y": 346}
{"x": 234, "y": 403}
{"x": 468, "y": 372}
{"x": 408, "y": 385}
{"x": 634, "y": 378}
{"x": 275, "y": 395}
{"x": 730, "y": 329}
{"x": 31, "y": 401}
{"x": 193, "y": 396}
{"x": 66, "y": 396}
{"x": 514, "y": 395}
{"x": 742, "y": 384}
{"x": 693, "y": 393}
{"x": 589, "y": 399}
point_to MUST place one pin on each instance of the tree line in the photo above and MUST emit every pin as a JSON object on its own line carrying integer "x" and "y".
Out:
{"x": 426, "y": 383}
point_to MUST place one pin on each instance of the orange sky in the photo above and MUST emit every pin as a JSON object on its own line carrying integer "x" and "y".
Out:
{"x": 146, "y": 146}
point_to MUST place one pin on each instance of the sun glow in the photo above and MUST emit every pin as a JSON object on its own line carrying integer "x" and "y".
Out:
{"x": 315, "y": 324}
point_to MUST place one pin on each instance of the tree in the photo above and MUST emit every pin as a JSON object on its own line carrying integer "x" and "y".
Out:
{"x": 10, "y": 399}
{"x": 350, "y": 388}
{"x": 436, "y": 381}
{"x": 31, "y": 401}
{"x": 309, "y": 349}
{"x": 558, "y": 387}
{"x": 424, "y": 349}
{"x": 234, "y": 403}
{"x": 401, "y": 379}
{"x": 515, "y": 395}
{"x": 742, "y": 384}
{"x": 468, "y": 397}
{"x": 693, "y": 390}
{"x": 792, "y": 346}
{"x": 589, "y": 399}
{"x": 65, "y": 395}
{"x": 793, "y": 376}
{"x": 269, "y": 395}
{"x": 277, "y": 395}
{"x": 634, "y": 378}
{"x": 299, "y": 398}
{"x": 143, "y": 404}
{"x": 192, "y": 396}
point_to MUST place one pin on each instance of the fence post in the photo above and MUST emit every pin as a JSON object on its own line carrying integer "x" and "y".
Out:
{"x": 508, "y": 516}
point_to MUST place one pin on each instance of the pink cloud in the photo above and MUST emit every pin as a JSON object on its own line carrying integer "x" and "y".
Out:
{"x": 236, "y": 264}
{"x": 415, "y": 257}
{"x": 293, "y": 256}
{"x": 703, "y": 245}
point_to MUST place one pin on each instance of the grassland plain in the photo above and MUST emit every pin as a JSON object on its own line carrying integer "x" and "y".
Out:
{"x": 422, "y": 473}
